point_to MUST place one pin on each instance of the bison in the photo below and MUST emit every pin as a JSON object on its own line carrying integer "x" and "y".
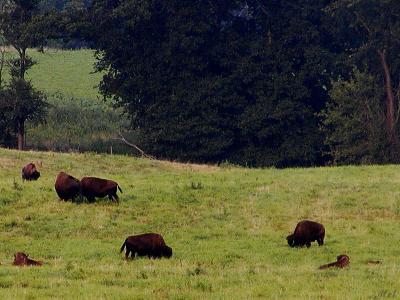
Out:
{"x": 341, "y": 262}
{"x": 97, "y": 187}
{"x": 21, "y": 259}
{"x": 67, "y": 187}
{"x": 305, "y": 233}
{"x": 29, "y": 172}
{"x": 148, "y": 244}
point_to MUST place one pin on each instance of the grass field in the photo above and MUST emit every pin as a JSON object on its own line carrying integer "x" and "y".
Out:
{"x": 67, "y": 78}
{"x": 227, "y": 227}
{"x": 69, "y": 73}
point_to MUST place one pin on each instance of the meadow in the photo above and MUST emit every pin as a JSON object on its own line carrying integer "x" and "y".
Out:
{"x": 66, "y": 72}
{"x": 227, "y": 226}
{"x": 68, "y": 80}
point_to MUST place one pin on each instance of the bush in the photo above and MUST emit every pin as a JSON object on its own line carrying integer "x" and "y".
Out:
{"x": 79, "y": 125}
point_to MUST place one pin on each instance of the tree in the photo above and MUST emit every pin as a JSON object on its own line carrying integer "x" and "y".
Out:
{"x": 22, "y": 27}
{"x": 354, "y": 122}
{"x": 374, "y": 46}
{"x": 219, "y": 80}
{"x": 163, "y": 64}
{"x": 287, "y": 73}
{"x": 21, "y": 102}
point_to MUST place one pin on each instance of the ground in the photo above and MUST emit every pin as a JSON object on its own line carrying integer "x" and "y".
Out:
{"x": 227, "y": 227}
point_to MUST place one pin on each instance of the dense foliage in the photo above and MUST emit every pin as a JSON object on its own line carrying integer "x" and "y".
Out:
{"x": 21, "y": 27}
{"x": 373, "y": 47}
{"x": 354, "y": 121}
{"x": 250, "y": 82}
{"x": 222, "y": 80}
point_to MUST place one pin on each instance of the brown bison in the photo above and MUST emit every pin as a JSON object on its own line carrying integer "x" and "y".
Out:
{"x": 21, "y": 259}
{"x": 67, "y": 187}
{"x": 341, "y": 262}
{"x": 29, "y": 172}
{"x": 93, "y": 187}
{"x": 305, "y": 233}
{"x": 148, "y": 244}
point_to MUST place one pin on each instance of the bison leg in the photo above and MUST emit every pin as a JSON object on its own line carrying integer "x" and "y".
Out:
{"x": 113, "y": 198}
{"x": 320, "y": 241}
{"x": 308, "y": 244}
{"x": 116, "y": 198}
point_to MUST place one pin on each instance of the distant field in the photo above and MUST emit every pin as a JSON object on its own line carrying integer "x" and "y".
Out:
{"x": 227, "y": 227}
{"x": 67, "y": 72}
{"x": 68, "y": 80}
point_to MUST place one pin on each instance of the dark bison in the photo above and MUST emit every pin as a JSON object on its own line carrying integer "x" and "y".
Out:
{"x": 29, "y": 172}
{"x": 148, "y": 244}
{"x": 305, "y": 233}
{"x": 21, "y": 259}
{"x": 341, "y": 262}
{"x": 67, "y": 187}
{"x": 97, "y": 187}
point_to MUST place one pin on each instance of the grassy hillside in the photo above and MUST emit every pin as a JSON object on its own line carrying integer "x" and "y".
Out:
{"x": 68, "y": 80}
{"x": 69, "y": 73}
{"x": 227, "y": 227}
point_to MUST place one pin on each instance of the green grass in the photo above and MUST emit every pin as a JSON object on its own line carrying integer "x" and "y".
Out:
{"x": 69, "y": 73}
{"x": 227, "y": 227}
{"x": 67, "y": 78}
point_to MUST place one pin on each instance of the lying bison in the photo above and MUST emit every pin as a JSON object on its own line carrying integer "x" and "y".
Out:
{"x": 341, "y": 262}
{"x": 93, "y": 187}
{"x": 29, "y": 172}
{"x": 67, "y": 187}
{"x": 305, "y": 233}
{"x": 148, "y": 244}
{"x": 21, "y": 259}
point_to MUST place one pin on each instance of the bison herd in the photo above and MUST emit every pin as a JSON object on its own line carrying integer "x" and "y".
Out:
{"x": 68, "y": 188}
{"x": 153, "y": 245}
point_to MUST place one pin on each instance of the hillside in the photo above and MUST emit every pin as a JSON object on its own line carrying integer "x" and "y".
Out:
{"x": 226, "y": 225}
{"x": 67, "y": 79}
{"x": 69, "y": 73}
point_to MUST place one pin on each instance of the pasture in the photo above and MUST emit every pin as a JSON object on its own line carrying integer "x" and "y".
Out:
{"x": 227, "y": 227}
{"x": 69, "y": 73}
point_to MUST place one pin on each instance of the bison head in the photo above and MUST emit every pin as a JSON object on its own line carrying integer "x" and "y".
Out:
{"x": 290, "y": 240}
{"x": 167, "y": 251}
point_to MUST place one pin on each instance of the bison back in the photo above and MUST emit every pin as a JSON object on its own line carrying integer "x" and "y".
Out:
{"x": 309, "y": 230}
{"x": 146, "y": 241}
{"x": 93, "y": 186}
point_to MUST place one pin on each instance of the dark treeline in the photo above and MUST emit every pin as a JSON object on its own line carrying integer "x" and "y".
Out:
{"x": 257, "y": 83}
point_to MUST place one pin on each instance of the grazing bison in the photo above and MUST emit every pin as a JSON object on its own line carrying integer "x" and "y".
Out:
{"x": 305, "y": 233}
{"x": 21, "y": 259}
{"x": 29, "y": 172}
{"x": 341, "y": 262}
{"x": 97, "y": 187}
{"x": 67, "y": 187}
{"x": 148, "y": 244}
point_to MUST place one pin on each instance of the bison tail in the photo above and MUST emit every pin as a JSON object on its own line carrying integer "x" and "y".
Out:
{"x": 122, "y": 247}
{"x": 119, "y": 188}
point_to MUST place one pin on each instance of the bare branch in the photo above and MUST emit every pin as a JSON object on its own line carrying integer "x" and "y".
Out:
{"x": 121, "y": 138}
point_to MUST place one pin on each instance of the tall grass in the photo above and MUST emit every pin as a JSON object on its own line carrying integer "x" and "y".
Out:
{"x": 226, "y": 225}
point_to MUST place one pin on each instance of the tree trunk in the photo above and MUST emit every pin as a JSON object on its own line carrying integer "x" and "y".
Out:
{"x": 390, "y": 119}
{"x": 2, "y": 59}
{"x": 21, "y": 135}
{"x": 22, "y": 64}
